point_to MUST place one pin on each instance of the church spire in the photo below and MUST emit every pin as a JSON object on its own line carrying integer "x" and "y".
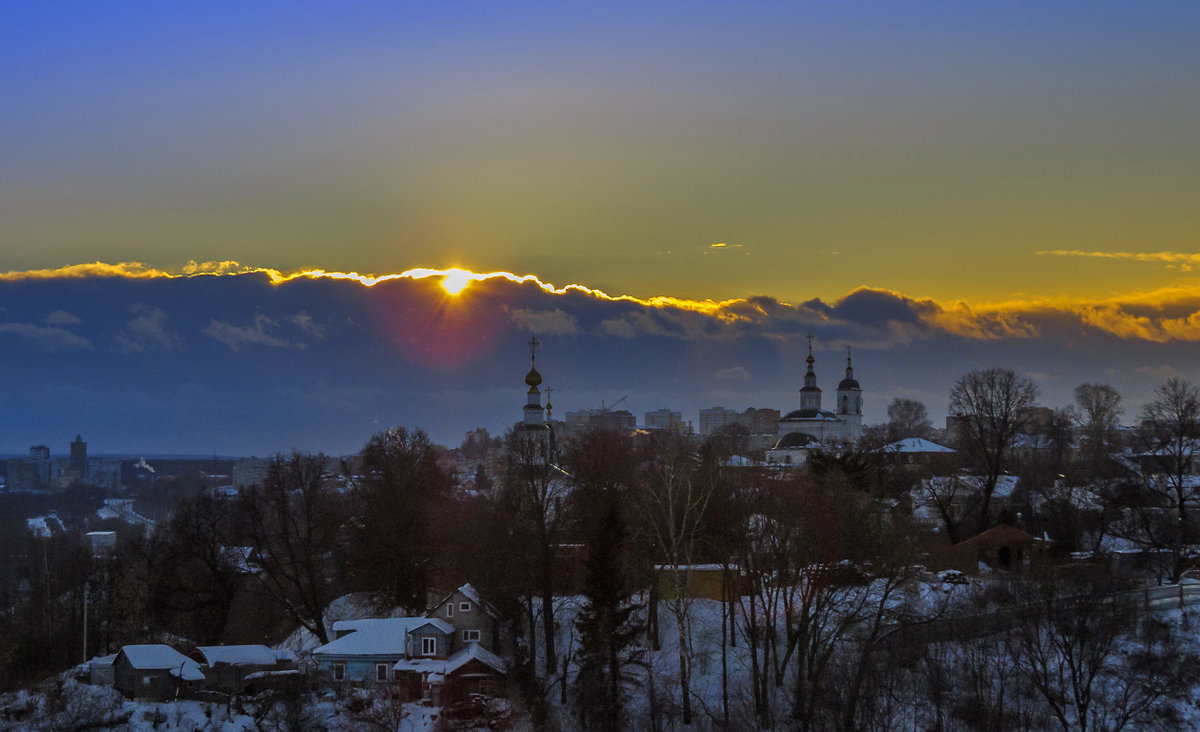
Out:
{"x": 534, "y": 416}
{"x": 849, "y": 393}
{"x": 810, "y": 394}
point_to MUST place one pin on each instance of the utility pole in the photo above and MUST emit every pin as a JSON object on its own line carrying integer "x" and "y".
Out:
{"x": 86, "y": 587}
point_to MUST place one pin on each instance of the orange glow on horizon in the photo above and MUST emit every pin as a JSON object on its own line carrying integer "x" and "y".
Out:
{"x": 1163, "y": 315}
{"x": 453, "y": 276}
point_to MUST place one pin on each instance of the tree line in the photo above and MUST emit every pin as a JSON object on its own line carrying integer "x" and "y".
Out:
{"x": 815, "y": 626}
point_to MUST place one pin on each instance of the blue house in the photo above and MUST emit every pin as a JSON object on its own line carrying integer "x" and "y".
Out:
{"x": 364, "y": 651}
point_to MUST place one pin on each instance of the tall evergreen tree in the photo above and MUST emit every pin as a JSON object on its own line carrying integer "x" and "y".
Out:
{"x": 609, "y": 625}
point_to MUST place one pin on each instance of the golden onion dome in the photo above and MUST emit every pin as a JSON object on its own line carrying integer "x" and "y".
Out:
{"x": 533, "y": 378}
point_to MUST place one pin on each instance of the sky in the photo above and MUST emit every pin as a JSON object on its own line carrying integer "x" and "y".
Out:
{"x": 1010, "y": 167}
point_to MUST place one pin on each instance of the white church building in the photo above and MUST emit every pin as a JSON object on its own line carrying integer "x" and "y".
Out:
{"x": 811, "y": 426}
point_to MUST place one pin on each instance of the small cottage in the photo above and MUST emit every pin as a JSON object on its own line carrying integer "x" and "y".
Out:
{"x": 1002, "y": 548}
{"x": 226, "y": 667}
{"x": 155, "y": 671}
{"x": 471, "y": 670}
{"x": 365, "y": 650}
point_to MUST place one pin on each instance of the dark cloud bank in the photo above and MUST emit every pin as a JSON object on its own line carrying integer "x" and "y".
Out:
{"x": 236, "y": 365}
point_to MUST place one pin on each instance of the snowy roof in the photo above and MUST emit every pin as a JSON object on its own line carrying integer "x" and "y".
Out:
{"x": 1183, "y": 450}
{"x": 739, "y": 461}
{"x": 377, "y": 636}
{"x": 441, "y": 625}
{"x": 157, "y": 656}
{"x": 104, "y": 660}
{"x": 473, "y": 651}
{"x": 238, "y": 557}
{"x": 711, "y": 567}
{"x": 811, "y": 415}
{"x": 471, "y": 593}
{"x": 468, "y": 591}
{"x": 915, "y": 444}
{"x": 354, "y": 624}
{"x": 257, "y": 655}
{"x": 1005, "y": 484}
{"x": 44, "y": 527}
{"x": 273, "y": 674}
{"x": 422, "y": 665}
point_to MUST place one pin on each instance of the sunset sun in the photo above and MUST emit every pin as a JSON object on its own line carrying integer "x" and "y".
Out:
{"x": 455, "y": 281}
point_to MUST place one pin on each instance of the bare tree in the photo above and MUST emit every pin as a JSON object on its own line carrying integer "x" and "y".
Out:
{"x": 400, "y": 494}
{"x": 989, "y": 407}
{"x": 1171, "y": 425}
{"x": 907, "y": 418}
{"x": 1074, "y": 648}
{"x": 535, "y": 487}
{"x": 293, "y": 521}
{"x": 1100, "y": 406}
{"x": 956, "y": 500}
{"x": 197, "y": 576}
{"x": 676, "y": 496}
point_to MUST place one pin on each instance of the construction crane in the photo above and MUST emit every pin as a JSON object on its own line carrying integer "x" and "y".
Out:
{"x": 610, "y": 406}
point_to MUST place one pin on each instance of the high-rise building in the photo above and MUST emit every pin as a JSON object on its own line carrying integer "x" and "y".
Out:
{"x": 39, "y": 457}
{"x": 79, "y": 462}
{"x": 714, "y": 418}
{"x": 667, "y": 420}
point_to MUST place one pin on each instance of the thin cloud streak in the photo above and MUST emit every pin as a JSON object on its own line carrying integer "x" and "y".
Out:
{"x": 1187, "y": 261}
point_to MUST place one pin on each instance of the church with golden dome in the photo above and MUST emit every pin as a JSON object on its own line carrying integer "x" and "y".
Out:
{"x": 536, "y": 417}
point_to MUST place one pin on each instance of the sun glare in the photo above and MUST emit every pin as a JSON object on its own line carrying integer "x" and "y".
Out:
{"x": 456, "y": 280}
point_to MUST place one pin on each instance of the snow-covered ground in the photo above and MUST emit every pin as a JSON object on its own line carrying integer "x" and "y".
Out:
{"x": 64, "y": 703}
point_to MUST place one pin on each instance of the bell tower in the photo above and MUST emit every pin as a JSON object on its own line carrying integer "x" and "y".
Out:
{"x": 810, "y": 393}
{"x": 534, "y": 414}
{"x": 849, "y": 401}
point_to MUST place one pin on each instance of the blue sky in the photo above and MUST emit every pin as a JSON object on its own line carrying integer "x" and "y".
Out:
{"x": 930, "y": 148}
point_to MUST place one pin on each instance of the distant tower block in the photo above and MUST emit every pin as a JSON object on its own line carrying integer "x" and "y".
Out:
{"x": 78, "y": 462}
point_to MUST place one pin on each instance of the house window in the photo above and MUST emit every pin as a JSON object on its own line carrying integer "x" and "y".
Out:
{"x": 429, "y": 646}
{"x": 464, "y": 607}
{"x": 339, "y": 672}
{"x": 146, "y": 680}
{"x": 449, "y": 609}
{"x": 470, "y": 635}
{"x": 381, "y": 670}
